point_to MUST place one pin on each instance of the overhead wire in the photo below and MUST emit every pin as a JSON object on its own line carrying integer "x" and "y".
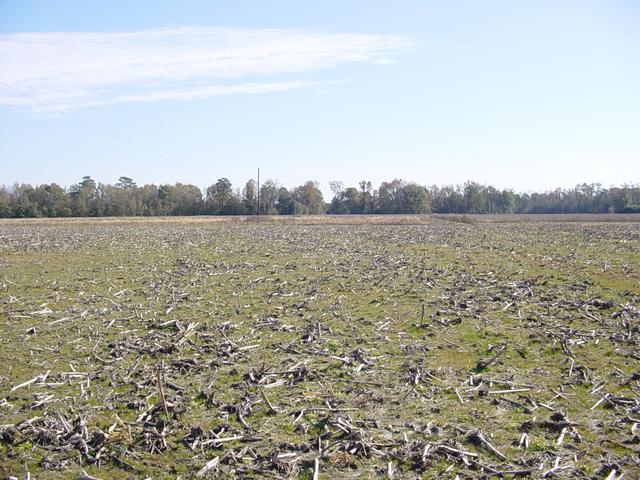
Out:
{"x": 59, "y": 111}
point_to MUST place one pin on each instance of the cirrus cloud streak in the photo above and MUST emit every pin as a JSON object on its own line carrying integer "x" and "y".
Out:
{"x": 70, "y": 70}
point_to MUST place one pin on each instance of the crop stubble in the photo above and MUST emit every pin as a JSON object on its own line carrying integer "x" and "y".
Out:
{"x": 270, "y": 351}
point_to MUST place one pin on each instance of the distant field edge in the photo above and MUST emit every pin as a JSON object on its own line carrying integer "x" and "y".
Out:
{"x": 341, "y": 219}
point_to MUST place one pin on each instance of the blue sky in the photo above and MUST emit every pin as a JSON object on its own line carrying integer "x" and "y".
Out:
{"x": 527, "y": 95}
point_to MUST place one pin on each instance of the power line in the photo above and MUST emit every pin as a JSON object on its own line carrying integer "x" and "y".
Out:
{"x": 85, "y": 123}
{"x": 62, "y": 112}
{"x": 44, "y": 58}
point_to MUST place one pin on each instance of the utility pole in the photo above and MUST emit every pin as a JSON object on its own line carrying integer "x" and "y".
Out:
{"x": 258, "y": 191}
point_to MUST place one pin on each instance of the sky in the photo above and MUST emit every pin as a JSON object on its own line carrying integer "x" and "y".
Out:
{"x": 525, "y": 95}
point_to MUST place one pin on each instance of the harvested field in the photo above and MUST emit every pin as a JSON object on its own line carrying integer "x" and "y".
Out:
{"x": 387, "y": 219}
{"x": 224, "y": 350}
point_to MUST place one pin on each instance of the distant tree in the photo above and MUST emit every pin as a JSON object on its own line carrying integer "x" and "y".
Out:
{"x": 352, "y": 200}
{"x": 149, "y": 200}
{"x": 180, "y": 199}
{"x": 118, "y": 201}
{"x": 309, "y": 197}
{"x": 188, "y": 200}
{"x": 5, "y": 203}
{"x": 415, "y": 199}
{"x": 365, "y": 188}
{"x": 269, "y": 197}
{"x": 166, "y": 195}
{"x": 51, "y": 200}
{"x": 337, "y": 205}
{"x": 88, "y": 182}
{"x": 507, "y": 202}
{"x": 126, "y": 183}
{"x": 390, "y": 196}
{"x": 474, "y": 200}
{"x": 250, "y": 197}
{"x": 286, "y": 203}
{"x": 219, "y": 198}
{"x": 337, "y": 187}
{"x": 23, "y": 202}
{"x": 84, "y": 198}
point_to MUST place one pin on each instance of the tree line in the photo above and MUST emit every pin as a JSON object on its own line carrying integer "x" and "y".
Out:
{"x": 88, "y": 198}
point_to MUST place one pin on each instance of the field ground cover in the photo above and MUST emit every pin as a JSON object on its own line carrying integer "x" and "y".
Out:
{"x": 387, "y": 219}
{"x": 177, "y": 349}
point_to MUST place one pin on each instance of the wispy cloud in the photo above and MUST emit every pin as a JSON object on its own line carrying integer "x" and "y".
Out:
{"x": 64, "y": 71}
